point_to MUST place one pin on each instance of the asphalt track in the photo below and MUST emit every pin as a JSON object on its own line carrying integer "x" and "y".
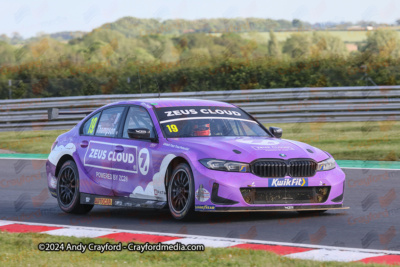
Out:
{"x": 372, "y": 222}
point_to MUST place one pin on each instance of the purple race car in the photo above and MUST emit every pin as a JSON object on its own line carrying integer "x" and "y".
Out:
{"x": 189, "y": 155}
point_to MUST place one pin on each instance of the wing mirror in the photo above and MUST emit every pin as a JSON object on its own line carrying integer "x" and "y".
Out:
{"x": 276, "y": 131}
{"x": 140, "y": 133}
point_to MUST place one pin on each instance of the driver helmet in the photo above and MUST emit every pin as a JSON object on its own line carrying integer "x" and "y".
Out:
{"x": 202, "y": 129}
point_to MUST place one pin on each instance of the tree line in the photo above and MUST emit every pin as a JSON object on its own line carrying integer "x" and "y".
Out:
{"x": 109, "y": 61}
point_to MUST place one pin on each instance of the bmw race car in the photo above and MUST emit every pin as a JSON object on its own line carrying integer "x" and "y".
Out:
{"x": 188, "y": 155}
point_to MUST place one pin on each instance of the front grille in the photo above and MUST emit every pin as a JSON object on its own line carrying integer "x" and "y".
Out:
{"x": 270, "y": 168}
{"x": 302, "y": 168}
{"x": 280, "y": 168}
{"x": 285, "y": 195}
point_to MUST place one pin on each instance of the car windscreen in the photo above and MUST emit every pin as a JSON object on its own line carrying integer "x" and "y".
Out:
{"x": 193, "y": 121}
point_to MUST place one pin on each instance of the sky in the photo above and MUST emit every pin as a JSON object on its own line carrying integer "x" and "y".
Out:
{"x": 30, "y": 17}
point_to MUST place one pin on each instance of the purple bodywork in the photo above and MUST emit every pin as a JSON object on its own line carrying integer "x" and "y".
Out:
{"x": 140, "y": 171}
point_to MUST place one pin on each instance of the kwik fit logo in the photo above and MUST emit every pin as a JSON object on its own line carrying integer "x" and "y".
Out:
{"x": 288, "y": 182}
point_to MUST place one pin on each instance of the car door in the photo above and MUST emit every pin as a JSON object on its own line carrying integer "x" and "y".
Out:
{"x": 137, "y": 184}
{"x": 97, "y": 149}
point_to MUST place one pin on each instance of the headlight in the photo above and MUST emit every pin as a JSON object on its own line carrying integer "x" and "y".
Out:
{"x": 326, "y": 165}
{"x": 225, "y": 165}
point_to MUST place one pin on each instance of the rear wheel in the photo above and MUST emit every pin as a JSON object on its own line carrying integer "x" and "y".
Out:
{"x": 181, "y": 192}
{"x": 68, "y": 195}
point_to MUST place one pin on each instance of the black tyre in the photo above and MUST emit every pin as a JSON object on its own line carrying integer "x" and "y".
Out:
{"x": 181, "y": 192}
{"x": 68, "y": 195}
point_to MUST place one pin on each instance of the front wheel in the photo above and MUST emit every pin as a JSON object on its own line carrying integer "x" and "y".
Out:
{"x": 68, "y": 195}
{"x": 181, "y": 192}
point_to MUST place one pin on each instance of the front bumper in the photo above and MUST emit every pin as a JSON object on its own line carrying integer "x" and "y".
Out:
{"x": 231, "y": 198}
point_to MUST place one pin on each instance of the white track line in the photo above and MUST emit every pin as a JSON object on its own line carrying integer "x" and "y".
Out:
{"x": 207, "y": 243}
{"x": 381, "y": 169}
{"x": 332, "y": 255}
{"x": 3, "y": 223}
{"x": 24, "y": 158}
{"x": 78, "y": 232}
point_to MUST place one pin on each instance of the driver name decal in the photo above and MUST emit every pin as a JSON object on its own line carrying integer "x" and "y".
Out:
{"x": 103, "y": 155}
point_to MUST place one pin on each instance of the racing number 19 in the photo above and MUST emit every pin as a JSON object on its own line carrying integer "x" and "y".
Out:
{"x": 92, "y": 125}
{"x": 172, "y": 128}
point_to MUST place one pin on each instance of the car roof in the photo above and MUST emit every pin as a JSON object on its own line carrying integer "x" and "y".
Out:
{"x": 176, "y": 102}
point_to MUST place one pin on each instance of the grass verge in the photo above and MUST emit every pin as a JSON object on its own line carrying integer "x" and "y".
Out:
{"x": 21, "y": 249}
{"x": 371, "y": 140}
{"x": 344, "y": 140}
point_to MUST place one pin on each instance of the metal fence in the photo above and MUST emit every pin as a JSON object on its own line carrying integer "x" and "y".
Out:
{"x": 331, "y": 104}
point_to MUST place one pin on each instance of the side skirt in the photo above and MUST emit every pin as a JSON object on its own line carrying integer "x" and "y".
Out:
{"x": 121, "y": 201}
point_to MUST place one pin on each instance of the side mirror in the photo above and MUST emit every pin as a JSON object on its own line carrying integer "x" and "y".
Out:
{"x": 276, "y": 131}
{"x": 140, "y": 133}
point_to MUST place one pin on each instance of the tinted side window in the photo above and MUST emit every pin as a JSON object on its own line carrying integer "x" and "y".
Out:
{"x": 138, "y": 117}
{"x": 109, "y": 120}
{"x": 90, "y": 125}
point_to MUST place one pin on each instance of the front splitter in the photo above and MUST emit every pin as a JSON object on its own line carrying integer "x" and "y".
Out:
{"x": 277, "y": 208}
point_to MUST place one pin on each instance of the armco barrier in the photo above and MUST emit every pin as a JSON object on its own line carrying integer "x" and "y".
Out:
{"x": 331, "y": 104}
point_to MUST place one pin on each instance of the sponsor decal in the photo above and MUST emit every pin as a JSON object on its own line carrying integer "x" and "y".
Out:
{"x": 251, "y": 185}
{"x": 287, "y": 182}
{"x": 289, "y": 207}
{"x": 103, "y": 201}
{"x": 258, "y": 141}
{"x": 118, "y": 203}
{"x": 204, "y": 207}
{"x": 87, "y": 199}
{"x": 144, "y": 161}
{"x": 193, "y": 111}
{"x": 103, "y": 175}
{"x": 102, "y": 155}
{"x": 176, "y": 146}
{"x": 184, "y": 113}
{"x": 158, "y": 192}
{"x": 272, "y": 148}
{"x": 243, "y": 169}
{"x": 202, "y": 194}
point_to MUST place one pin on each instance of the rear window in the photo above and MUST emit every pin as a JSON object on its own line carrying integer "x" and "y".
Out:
{"x": 90, "y": 125}
{"x": 109, "y": 121}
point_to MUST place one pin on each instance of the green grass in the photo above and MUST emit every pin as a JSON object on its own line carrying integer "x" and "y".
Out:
{"x": 21, "y": 250}
{"x": 344, "y": 140}
{"x": 33, "y": 142}
{"x": 349, "y": 140}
